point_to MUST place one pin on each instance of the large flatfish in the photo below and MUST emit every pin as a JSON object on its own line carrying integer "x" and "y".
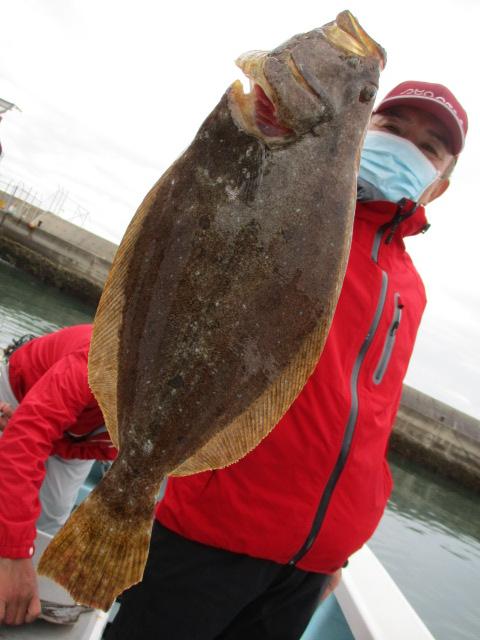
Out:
{"x": 222, "y": 291}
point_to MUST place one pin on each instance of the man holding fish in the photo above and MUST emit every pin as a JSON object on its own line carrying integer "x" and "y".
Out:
{"x": 246, "y": 551}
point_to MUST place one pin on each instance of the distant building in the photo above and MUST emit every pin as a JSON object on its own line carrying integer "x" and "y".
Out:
{"x": 4, "y": 107}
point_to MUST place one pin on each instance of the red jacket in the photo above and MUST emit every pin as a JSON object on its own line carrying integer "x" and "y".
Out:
{"x": 315, "y": 489}
{"x": 56, "y": 413}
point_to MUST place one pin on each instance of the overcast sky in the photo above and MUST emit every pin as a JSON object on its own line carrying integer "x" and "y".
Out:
{"x": 111, "y": 92}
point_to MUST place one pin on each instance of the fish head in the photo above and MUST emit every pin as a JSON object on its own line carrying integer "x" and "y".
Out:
{"x": 311, "y": 80}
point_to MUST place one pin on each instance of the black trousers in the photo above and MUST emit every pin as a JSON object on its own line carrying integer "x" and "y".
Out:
{"x": 191, "y": 591}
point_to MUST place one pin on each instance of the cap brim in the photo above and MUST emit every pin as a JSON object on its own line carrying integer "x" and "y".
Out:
{"x": 437, "y": 109}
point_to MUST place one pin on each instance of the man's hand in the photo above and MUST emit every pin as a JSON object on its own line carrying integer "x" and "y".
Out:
{"x": 19, "y": 601}
{"x": 332, "y": 584}
{"x": 6, "y": 412}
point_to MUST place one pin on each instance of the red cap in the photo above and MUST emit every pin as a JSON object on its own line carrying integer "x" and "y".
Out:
{"x": 437, "y": 100}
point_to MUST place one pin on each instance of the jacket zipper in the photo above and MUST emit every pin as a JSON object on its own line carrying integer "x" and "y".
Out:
{"x": 352, "y": 418}
{"x": 389, "y": 341}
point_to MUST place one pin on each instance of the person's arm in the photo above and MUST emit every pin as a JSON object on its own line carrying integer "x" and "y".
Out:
{"x": 51, "y": 406}
{"x": 18, "y": 576}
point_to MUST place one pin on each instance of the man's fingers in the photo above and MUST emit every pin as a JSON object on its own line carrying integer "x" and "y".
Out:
{"x": 6, "y": 409}
{"x": 11, "y": 611}
{"x": 34, "y": 609}
{"x": 18, "y": 590}
{"x": 6, "y": 412}
{"x": 21, "y": 612}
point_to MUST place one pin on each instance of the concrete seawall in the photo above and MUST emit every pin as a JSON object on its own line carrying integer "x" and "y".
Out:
{"x": 75, "y": 260}
{"x": 55, "y": 250}
{"x": 438, "y": 436}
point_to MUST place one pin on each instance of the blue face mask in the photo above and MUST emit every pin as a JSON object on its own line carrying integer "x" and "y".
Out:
{"x": 395, "y": 166}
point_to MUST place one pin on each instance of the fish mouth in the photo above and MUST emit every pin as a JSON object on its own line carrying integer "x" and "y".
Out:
{"x": 346, "y": 34}
{"x": 257, "y": 111}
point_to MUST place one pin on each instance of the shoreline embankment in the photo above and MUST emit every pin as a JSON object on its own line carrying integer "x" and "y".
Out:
{"x": 438, "y": 437}
{"x": 54, "y": 250}
{"x": 75, "y": 260}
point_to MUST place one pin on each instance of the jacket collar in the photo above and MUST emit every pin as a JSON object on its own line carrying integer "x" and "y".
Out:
{"x": 403, "y": 217}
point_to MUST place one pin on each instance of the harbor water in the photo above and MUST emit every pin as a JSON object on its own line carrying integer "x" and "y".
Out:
{"x": 429, "y": 542}
{"x": 429, "y": 538}
{"x": 29, "y": 306}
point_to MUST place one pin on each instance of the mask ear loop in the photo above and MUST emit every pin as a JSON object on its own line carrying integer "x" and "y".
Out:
{"x": 399, "y": 217}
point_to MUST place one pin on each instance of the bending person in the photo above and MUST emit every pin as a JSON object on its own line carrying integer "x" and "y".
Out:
{"x": 52, "y": 431}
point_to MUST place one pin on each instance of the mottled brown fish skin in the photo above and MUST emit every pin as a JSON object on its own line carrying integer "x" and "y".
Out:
{"x": 251, "y": 262}
{"x": 239, "y": 257}
{"x": 220, "y": 297}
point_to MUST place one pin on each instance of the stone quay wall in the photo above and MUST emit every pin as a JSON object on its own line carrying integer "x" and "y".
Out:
{"x": 55, "y": 250}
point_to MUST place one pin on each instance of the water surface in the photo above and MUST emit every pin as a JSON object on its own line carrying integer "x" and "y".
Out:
{"x": 429, "y": 541}
{"x": 30, "y": 306}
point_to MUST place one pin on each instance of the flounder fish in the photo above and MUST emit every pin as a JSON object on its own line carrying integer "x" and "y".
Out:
{"x": 222, "y": 291}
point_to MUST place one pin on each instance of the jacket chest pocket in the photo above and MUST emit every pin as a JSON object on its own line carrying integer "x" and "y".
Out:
{"x": 389, "y": 343}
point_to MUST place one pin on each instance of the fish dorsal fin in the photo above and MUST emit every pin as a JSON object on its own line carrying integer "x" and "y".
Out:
{"x": 104, "y": 356}
{"x": 247, "y": 430}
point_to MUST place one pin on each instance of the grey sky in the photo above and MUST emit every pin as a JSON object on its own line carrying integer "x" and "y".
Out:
{"x": 112, "y": 92}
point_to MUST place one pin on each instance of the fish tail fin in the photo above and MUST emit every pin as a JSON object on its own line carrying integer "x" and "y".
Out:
{"x": 100, "y": 551}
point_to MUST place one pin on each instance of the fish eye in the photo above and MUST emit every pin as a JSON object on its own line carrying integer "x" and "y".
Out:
{"x": 367, "y": 93}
